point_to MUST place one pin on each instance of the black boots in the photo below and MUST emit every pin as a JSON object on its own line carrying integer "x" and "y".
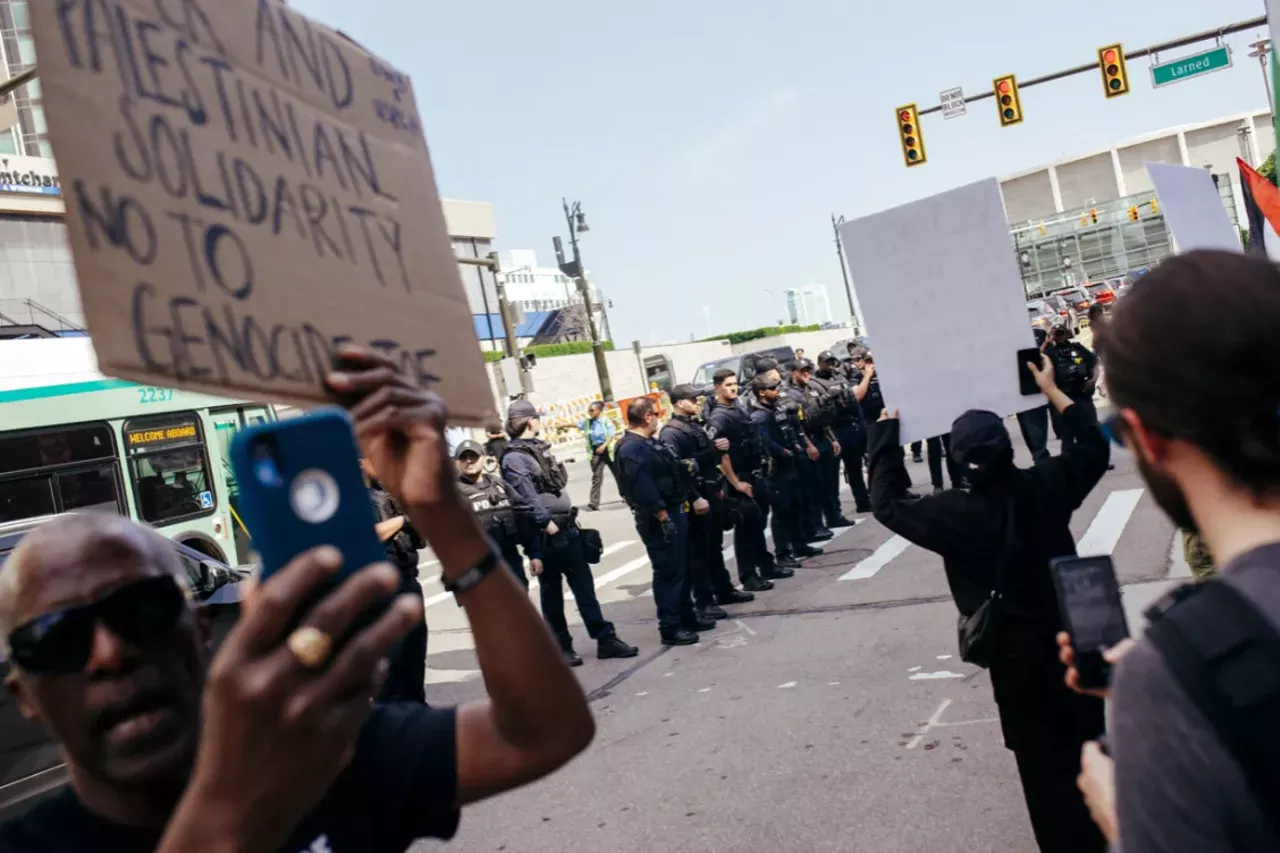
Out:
{"x": 611, "y": 647}
{"x": 679, "y": 638}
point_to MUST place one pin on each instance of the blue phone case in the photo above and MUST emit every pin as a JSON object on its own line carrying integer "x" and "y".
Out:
{"x": 301, "y": 487}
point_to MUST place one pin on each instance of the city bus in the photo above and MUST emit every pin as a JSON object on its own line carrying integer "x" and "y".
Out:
{"x": 73, "y": 439}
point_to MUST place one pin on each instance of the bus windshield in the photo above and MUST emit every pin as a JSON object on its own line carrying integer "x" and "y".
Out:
{"x": 72, "y": 439}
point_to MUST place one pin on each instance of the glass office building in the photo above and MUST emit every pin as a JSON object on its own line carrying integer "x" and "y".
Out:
{"x": 1098, "y": 242}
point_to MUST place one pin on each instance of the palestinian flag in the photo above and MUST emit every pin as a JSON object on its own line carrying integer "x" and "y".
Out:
{"x": 1262, "y": 203}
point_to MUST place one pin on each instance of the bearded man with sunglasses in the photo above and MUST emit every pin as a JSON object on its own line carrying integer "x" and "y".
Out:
{"x": 275, "y": 744}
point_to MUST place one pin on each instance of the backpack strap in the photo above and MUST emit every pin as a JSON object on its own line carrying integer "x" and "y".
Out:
{"x": 1225, "y": 655}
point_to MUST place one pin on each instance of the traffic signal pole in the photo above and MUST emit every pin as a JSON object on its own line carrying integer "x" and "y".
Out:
{"x": 1092, "y": 67}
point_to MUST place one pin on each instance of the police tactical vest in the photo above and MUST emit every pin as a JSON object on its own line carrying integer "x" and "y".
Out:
{"x": 747, "y": 451}
{"x": 670, "y": 474}
{"x": 819, "y": 407}
{"x": 1070, "y": 371}
{"x": 705, "y": 455}
{"x": 839, "y": 390}
{"x": 552, "y": 477}
{"x": 491, "y": 504}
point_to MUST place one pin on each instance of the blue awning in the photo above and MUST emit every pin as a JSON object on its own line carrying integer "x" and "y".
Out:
{"x": 528, "y": 329}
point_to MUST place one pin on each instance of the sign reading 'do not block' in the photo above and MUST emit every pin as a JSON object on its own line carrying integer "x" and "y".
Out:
{"x": 246, "y": 190}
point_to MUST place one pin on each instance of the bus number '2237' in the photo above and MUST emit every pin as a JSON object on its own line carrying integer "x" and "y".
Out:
{"x": 154, "y": 395}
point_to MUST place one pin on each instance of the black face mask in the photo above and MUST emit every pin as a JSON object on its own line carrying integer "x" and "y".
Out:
{"x": 1167, "y": 494}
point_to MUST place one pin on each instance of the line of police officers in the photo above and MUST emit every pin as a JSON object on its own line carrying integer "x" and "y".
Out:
{"x": 772, "y": 459}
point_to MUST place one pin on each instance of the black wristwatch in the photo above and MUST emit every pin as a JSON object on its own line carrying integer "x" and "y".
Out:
{"x": 472, "y": 577}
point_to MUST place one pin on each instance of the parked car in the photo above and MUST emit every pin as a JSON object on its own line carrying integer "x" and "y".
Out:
{"x": 31, "y": 766}
{"x": 1077, "y": 297}
{"x": 1102, "y": 293}
{"x": 1066, "y": 312}
{"x": 1042, "y": 316}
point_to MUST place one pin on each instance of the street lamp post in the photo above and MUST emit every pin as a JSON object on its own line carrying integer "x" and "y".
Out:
{"x": 577, "y": 221}
{"x": 1261, "y": 50}
{"x": 836, "y": 222}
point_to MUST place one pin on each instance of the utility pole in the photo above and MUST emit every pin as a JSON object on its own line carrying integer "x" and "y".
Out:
{"x": 1261, "y": 50}
{"x": 836, "y": 222}
{"x": 492, "y": 264}
{"x": 577, "y": 221}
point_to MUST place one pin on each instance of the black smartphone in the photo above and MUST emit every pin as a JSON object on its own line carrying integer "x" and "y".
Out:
{"x": 1026, "y": 382}
{"x": 1089, "y": 600}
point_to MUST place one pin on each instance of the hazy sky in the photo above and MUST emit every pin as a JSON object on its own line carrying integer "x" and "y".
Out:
{"x": 710, "y": 140}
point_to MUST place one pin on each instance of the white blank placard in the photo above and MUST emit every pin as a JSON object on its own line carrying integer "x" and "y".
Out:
{"x": 938, "y": 285}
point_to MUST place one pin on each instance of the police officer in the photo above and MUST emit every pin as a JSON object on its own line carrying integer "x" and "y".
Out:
{"x": 690, "y": 442}
{"x": 867, "y": 390}
{"x": 1034, "y": 423}
{"x": 538, "y": 483}
{"x": 849, "y": 430}
{"x": 1075, "y": 371}
{"x": 659, "y": 489}
{"x": 491, "y": 500}
{"x": 743, "y": 465}
{"x": 813, "y": 416}
{"x": 783, "y": 439}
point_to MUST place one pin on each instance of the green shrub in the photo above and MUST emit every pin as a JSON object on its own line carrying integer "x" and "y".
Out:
{"x": 549, "y": 350}
{"x": 764, "y": 332}
{"x": 571, "y": 348}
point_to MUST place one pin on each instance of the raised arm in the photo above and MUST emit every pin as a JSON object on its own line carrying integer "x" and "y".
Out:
{"x": 1083, "y": 463}
{"x": 536, "y": 717}
{"x": 934, "y": 522}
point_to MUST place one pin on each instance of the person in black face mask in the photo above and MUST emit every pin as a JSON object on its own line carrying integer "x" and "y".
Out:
{"x": 996, "y": 541}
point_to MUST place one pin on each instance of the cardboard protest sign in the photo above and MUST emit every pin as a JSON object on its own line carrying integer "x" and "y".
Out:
{"x": 1193, "y": 209}
{"x": 246, "y": 190}
{"x": 935, "y": 277}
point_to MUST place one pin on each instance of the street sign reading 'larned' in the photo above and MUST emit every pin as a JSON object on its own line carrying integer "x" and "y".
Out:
{"x": 1187, "y": 67}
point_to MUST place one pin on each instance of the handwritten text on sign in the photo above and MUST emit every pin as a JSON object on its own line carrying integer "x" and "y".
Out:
{"x": 255, "y": 194}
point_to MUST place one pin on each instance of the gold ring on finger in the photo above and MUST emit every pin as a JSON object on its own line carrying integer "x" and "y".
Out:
{"x": 310, "y": 646}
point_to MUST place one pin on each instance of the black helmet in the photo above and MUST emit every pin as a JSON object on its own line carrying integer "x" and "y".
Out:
{"x": 827, "y": 357}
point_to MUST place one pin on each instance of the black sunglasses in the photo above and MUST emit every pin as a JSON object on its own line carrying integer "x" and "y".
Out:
{"x": 59, "y": 643}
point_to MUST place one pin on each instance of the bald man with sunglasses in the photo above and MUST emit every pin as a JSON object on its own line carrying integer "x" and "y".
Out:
{"x": 275, "y": 744}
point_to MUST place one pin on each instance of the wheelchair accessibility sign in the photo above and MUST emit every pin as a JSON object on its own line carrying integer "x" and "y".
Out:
{"x": 206, "y": 500}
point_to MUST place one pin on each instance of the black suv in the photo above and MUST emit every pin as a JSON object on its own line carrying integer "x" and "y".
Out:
{"x": 743, "y": 364}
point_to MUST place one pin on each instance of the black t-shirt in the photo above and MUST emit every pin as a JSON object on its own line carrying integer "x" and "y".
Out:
{"x": 400, "y": 787}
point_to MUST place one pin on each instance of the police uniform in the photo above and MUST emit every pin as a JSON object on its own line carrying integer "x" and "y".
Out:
{"x": 807, "y": 405}
{"x": 538, "y": 487}
{"x": 748, "y": 457}
{"x": 690, "y": 442}
{"x": 490, "y": 499}
{"x": 1073, "y": 366}
{"x": 849, "y": 429}
{"x": 780, "y": 429}
{"x": 821, "y": 410}
{"x": 653, "y": 480}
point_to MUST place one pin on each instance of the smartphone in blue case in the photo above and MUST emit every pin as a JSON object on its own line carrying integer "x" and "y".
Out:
{"x": 301, "y": 487}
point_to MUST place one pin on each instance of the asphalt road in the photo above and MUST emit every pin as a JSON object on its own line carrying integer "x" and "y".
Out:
{"x": 829, "y": 715}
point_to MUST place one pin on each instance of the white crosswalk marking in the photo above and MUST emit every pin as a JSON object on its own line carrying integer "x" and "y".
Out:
{"x": 877, "y": 561}
{"x": 1108, "y": 525}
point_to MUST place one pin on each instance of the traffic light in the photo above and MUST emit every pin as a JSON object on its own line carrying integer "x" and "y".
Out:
{"x": 1155, "y": 206}
{"x": 1133, "y": 213}
{"x": 910, "y": 137}
{"x": 1093, "y": 215}
{"x": 1115, "y": 77}
{"x": 1084, "y": 220}
{"x": 1007, "y": 100}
